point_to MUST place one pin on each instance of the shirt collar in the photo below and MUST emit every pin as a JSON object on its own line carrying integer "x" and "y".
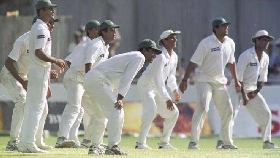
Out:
{"x": 165, "y": 52}
{"x": 217, "y": 40}
{"x": 253, "y": 51}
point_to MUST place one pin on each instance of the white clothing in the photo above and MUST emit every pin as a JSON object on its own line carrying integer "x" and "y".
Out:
{"x": 211, "y": 56}
{"x": 102, "y": 84}
{"x": 153, "y": 94}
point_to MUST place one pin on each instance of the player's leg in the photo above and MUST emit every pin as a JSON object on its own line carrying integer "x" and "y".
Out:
{"x": 40, "y": 132}
{"x": 35, "y": 103}
{"x": 149, "y": 111}
{"x": 204, "y": 94}
{"x": 261, "y": 113}
{"x": 71, "y": 111}
{"x": 170, "y": 119}
{"x": 224, "y": 107}
{"x": 18, "y": 95}
{"x": 74, "y": 131}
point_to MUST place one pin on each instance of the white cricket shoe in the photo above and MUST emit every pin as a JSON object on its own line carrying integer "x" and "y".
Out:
{"x": 44, "y": 146}
{"x": 96, "y": 150}
{"x": 12, "y": 145}
{"x": 269, "y": 145}
{"x": 86, "y": 143}
{"x": 220, "y": 144}
{"x": 29, "y": 148}
{"x": 63, "y": 143}
{"x": 166, "y": 146}
{"x": 142, "y": 146}
{"x": 231, "y": 146}
{"x": 193, "y": 145}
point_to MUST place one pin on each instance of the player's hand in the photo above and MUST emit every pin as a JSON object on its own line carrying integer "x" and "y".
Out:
{"x": 24, "y": 84}
{"x": 119, "y": 104}
{"x": 183, "y": 85}
{"x": 49, "y": 93}
{"x": 53, "y": 74}
{"x": 252, "y": 95}
{"x": 61, "y": 63}
{"x": 170, "y": 105}
{"x": 246, "y": 99}
{"x": 177, "y": 95}
{"x": 237, "y": 86}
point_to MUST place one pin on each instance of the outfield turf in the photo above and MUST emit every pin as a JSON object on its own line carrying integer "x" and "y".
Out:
{"x": 248, "y": 148}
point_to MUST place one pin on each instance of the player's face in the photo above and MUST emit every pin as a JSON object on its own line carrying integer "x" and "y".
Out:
{"x": 262, "y": 43}
{"x": 150, "y": 54}
{"x": 110, "y": 34}
{"x": 222, "y": 30}
{"x": 48, "y": 13}
{"x": 93, "y": 33}
{"x": 170, "y": 41}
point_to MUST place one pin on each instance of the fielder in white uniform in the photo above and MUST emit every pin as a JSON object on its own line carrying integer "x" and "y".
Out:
{"x": 252, "y": 70}
{"x": 73, "y": 83}
{"x": 154, "y": 94}
{"x": 14, "y": 79}
{"x": 38, "y": 75}
{"x": 106, "y": 85}
{"x": 211, "y": 57}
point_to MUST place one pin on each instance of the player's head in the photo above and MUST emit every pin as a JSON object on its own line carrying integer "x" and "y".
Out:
{"x": 92, "y": 28}
{"x": 45, "y": 9}
{"x": 261, "y": 39}
{"x": 149, "y": 49}
{"x": 220, "y": 26}
{"x": 168, "y": 39}
{"x": 108, "y": 30}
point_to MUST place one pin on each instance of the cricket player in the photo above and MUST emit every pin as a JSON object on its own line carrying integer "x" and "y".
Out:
{"x": 73, "y": 80}
{"x": 252, "y": 70}
{"x": 154, "y": 95}
{"x": 106, "y": 85}
{"x": 38, "y": 75}
{"x": 14, "y": 79}
{"x": 211, "y": 57}
{"x": 94, "y": 52}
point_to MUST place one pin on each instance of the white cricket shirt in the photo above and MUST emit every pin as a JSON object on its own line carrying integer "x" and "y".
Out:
{"x": 120, "y": 70}
{"x": 40, "y": 38}
{"x": 211, "y": 56}
{"x": 250, "y": 70}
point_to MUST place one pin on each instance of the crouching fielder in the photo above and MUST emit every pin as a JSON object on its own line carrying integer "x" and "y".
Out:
{"x": 154, "y": 95}
{"x": 106, "y": 85}
{"x": 252, "y": 70}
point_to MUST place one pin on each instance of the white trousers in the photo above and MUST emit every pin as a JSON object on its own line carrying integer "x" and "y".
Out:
{"x": 205, "y": 91}
{"x": 73, "y": 111}
{"x": 18, "y": 95}
{"x": 153, "y": 104}
{"x": 101, "y": 107}
{"x": 258, "y": 109}
{"x": 35, "y": 103}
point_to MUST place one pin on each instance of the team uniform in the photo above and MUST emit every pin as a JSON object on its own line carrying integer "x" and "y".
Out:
{"x": 38, "y": 77}
{"x": 102, "y": 84}
{"x": 211, "y": 56}
{"x": 153, "y": 93}
{"x": 20, "y": 54}
{"x": 250, "y": 71}
{"x": 91, "y": 51}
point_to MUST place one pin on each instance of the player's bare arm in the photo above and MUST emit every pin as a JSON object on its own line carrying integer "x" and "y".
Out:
{"x": 232, "y": 68}
{"x": 9, "y": 63}
{"x": 41, "y": 55}
{"x": 184, "y": 83}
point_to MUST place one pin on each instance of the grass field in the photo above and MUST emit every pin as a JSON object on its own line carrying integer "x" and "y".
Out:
{"x": 248, "y": 148}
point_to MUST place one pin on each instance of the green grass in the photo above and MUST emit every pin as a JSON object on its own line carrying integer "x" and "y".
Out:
{"x": 248, "y": 148}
